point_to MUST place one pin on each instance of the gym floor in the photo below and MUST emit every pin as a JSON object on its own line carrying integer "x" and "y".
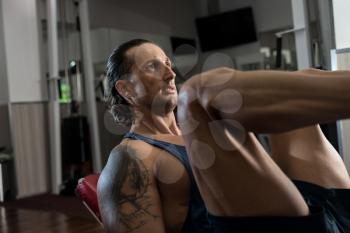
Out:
{"x": 47, "y": 213}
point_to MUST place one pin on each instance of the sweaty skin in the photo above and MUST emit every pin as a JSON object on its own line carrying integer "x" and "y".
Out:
{"x": 144, "y": 189}
{"x": 244, "y": 180}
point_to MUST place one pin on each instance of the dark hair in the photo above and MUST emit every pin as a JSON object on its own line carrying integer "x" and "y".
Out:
{"x": 118, "y": 67}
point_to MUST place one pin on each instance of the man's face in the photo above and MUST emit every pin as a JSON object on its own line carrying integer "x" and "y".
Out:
{"x": 152, "y": 78}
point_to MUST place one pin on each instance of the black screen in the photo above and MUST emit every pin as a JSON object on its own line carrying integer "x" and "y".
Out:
{"x": 227, "y": 29}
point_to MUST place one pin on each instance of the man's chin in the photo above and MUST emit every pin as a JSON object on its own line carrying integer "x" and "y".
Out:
{"x": 164, "y": 105}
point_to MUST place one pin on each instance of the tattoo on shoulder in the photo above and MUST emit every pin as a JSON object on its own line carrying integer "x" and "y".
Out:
{"x": 133, "y": 203}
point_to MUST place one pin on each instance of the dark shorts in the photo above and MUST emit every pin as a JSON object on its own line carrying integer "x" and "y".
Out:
{"x": 335, "y": 202}
{"x": 329, "y": 213}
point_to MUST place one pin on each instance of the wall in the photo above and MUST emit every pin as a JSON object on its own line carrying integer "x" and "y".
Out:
{"x": 269, "y": 14}
{"x": 201, "y": 8}
{"x": 104, "y": 40}
{"x": 3, "y": 75}
{"x": 114, "y": 22}
{"x": 341, "y": 61}
{"x": 22, "y": 94}
{"x": 164, "y": 17}
{"x": 341, "y": 23}
{"x": 21, "y": 33}
{"x": 273, "y": 14}
{"x": 31, "y": 152}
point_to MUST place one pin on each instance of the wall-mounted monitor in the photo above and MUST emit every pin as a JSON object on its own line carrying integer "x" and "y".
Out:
{"x": 226, "y": 29}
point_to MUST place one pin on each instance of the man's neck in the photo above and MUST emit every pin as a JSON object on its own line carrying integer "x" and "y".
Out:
{"x": 147, "y": 122}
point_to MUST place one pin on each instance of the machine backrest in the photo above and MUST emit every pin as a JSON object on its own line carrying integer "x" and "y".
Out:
{"x": 86, "y": 191}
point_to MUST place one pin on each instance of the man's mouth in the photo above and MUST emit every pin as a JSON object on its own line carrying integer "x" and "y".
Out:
{"x": 170, "y": 89}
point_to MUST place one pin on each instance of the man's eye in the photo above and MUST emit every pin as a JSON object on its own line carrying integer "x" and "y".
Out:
{"x": 151, "y": 67}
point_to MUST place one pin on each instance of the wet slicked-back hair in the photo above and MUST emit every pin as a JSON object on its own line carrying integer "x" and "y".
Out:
{"x": 118, "y": 67}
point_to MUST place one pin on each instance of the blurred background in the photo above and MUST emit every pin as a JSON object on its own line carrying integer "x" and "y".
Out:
{"x": 54, "y": 126}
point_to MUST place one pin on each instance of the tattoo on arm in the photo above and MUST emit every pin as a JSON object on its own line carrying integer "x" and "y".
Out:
{"x": 130, "y": 192}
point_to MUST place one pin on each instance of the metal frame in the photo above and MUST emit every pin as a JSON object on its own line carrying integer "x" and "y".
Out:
{"x": 89, "y": 84}
{"x": 54, "y": 105}
{"x": 302, "y": 35}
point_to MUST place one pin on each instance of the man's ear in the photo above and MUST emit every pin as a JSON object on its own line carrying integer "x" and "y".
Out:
{"x": 124, "y": 89}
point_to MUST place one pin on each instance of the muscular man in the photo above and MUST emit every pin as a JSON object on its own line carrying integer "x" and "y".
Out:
{"x": 148, "y": 184}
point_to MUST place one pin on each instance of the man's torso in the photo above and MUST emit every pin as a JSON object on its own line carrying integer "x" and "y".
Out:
{"x": 173, "y": 181}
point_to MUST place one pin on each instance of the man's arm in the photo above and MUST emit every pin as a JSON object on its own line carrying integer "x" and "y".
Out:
{"x": 127, "y": 194}
{"x": 272, "y": 101}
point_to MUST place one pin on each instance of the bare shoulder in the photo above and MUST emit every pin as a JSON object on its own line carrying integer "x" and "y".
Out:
{"x": 121, "y": 158}
{"x": 127, "y": 193}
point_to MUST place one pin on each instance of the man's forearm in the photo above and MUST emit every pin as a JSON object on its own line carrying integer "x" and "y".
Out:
{"x": 276, "y": 101}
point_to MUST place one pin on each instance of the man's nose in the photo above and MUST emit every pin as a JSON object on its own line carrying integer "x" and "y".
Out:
{"x": 169, "y": 73}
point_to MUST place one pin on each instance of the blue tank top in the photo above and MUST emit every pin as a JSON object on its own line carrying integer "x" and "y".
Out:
{"x": 197, "y": 218}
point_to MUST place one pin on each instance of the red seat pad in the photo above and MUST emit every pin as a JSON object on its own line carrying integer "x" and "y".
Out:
{"x": 86, "y": 190}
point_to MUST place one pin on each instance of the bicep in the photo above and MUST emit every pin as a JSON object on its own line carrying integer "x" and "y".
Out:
{"x": 128, "y": 196}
